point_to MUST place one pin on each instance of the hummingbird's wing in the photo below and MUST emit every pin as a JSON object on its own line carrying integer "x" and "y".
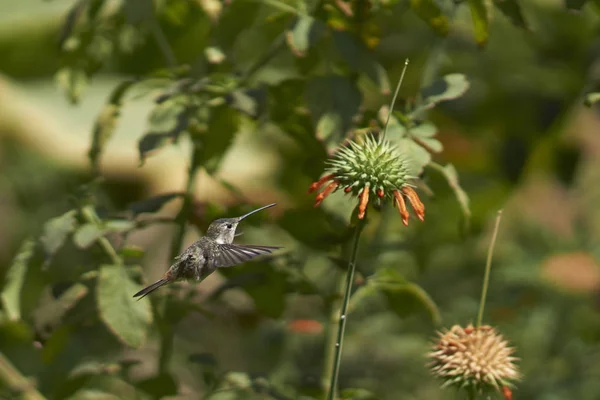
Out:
{"x": 230, "y": 254}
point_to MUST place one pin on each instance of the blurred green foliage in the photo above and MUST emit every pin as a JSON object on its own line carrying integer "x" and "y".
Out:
{"x": 491, "y": 92}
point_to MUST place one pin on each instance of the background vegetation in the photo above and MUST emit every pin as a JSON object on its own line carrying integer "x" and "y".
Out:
{"x": 127, "y": 127}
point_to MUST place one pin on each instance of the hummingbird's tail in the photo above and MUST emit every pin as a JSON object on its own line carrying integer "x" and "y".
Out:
{"x": 149, "y": 289}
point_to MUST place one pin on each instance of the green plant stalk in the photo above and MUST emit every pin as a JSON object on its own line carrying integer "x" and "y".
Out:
{"x": 337, "y": 353}
{"x": 391, "y": 110}
{"x": 12, "y": 378}
{"x": 102, "y": 241}
{"x": 488, "y": 267}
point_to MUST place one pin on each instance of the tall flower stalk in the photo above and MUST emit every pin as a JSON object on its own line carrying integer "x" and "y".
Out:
{"x": 369, "y": 169}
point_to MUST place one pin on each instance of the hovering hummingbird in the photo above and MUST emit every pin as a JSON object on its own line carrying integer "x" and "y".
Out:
{"x": 212, "y": 251}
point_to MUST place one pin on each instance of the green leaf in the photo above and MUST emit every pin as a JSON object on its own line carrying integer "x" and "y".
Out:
{"x": 360, "y": 59}
{"x": 222, "y": 127}
{"x": 74, "y": 81}
{"x": 56, "y": 232}
{"x": 314, "y": 227}
{"x": 449, "y": 87}
{"x": 417, "y": 155}
{"x": 449, "y": 172}
{"x": 15, "y": 278}
{"x": 305, "y": 33}
{"x": 214, "y": 55}
{"x": 51, "y": 312}
{"x": 167, "y": 122}
{"x": 208, "y": 363}
{"x": 512, "y": 10}
{"x": 480, "y": 16}
{"x": 138, "y": 11}
{"x": 248, "y": 101}
{"x": 87, "y": 234}
{"x": 71, "y": 20}
{"x": 429, "y": 12}
{"x": 127, "y": 318}
{"x": 106, "y": 123}
{"x": 591, "y": 98}
{"x": 152, "y": 204}
{"x": 575, "y": 5}
{"x": 333, "y": 101}
{"x": 404, "y": 297}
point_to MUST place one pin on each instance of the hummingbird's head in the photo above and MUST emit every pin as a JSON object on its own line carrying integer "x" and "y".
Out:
{"x": 223, "y": 230}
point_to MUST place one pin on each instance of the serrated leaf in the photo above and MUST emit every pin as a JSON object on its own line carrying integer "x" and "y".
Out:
{"x": 480, "y": 16}
{"x": 429, "y": 12}
{"x": 305, "y": 33}
{"x": 339, "y": 99}
{"x": 106, "y": 123}
{"x": 127, "y": 318}
{"x": 404, "y": 297}
{"x": 86, "y": 235}
{"x": 14, "y": 280}
{"x": 222, "y": 126}
{"x": 56, "y": 232}
{"x": 512, "y": 10}
{"x": 449, "y": 87}
{"x": 417, "y": 156}
{"x": 591, "y": 98}
{"x": 152, "y": 204}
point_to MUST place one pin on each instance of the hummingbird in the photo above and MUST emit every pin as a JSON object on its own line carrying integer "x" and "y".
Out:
{"x": 214, "y": 250}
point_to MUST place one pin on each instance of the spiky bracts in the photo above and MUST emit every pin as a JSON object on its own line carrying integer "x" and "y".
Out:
{"x": 476, "y": 358}
{"x": 372, "y": 168}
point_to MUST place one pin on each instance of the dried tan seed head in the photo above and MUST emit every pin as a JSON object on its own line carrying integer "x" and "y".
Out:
{"x": 473, "y": 357}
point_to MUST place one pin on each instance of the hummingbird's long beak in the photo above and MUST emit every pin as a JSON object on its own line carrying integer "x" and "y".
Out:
{"x": 257, "y": 210}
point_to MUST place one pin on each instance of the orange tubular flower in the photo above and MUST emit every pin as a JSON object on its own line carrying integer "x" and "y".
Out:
{"x": 372, "y": 167}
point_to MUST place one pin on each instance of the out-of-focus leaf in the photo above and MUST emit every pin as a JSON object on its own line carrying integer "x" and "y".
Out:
{"x": 429, "y": 12}
{"x": 71, "y": 20}
{"x": 167, "y": 122}
{"x": 127, "y": 318}
{"x": 74, "y": 81}
{"x": 159, "y": 386}
{"x": 591, "y": 98}
{"x": 575, "y": 5}
{"x": 51, "y": 312}
{"x": 263, "y": 283}
{"x": 423, "y": 133}
{"x": 361, "y": 60}
{"x": 238, "y": 380}
{"x": 222, "y": 127}
{"x": 360, "y": 295}
{"x": 449, "y": 172}
{"x": 480, "y": 16}
{"x": 449, "y": 87}
{"x": 132, "y": 252}
{"x": 313, "y": 227}
{"x": 357, "y": 394}
{"x": 249, "y": 101}
{"x": 87, "y": 234}
{"x": 305, "y": 33}
{"x": 15, "y": 277}
{"x": 404, "y": 297}
{"x": 56, "y": 232}
{"x": 137, "y": 11}
{"x": 105, "y": 124}
{"x": 152, "y": 204}
{"x": 512, "y": 10}
{"x": 333, "y": 101}
{"x": 416, "y": 154}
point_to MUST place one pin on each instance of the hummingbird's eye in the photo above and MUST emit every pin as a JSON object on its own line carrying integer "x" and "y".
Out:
{"x": 229, "y": 226}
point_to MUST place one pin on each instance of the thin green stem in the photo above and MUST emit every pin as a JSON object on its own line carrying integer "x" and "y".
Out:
{"x": 391, "y": 110}
{"x": 12, "y": 378}
{"x": 488, "y": 268}
{"x": 337, "y": 357}
{"x": 161, "y": 40}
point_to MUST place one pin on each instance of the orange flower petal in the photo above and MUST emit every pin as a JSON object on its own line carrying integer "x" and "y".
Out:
{"x": 317, "y": 185}
{"x": 364, "y": 200}
{"x": 507, "y": 393}
{"x": 415, "y": 202}
{"x": 380, "y": 192}
{"x": 402, "y": 207}
{"x": 321, "y": 196}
